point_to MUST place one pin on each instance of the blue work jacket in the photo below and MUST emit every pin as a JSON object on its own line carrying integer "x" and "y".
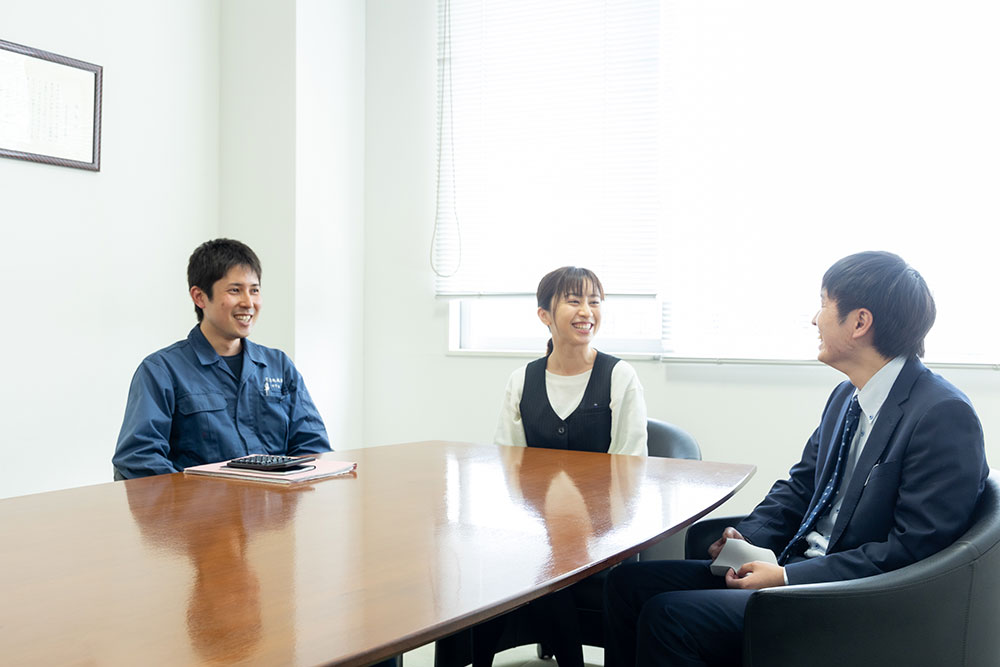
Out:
{"x": 185, "y": 408}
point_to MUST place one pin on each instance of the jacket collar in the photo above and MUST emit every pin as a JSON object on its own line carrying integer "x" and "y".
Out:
{"x": 252, "y": 352}
{"x": 207, "y": 355}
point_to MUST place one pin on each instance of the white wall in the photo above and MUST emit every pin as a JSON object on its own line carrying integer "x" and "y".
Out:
{"x": 93, "y": 263}
{"x": 759, "y": 414}
{"x": 330, "y": 226}
{"x": 292, "y": 151}
{"x": 333, "y": 184}
{"x": 257, "y": 151}
{"x": 242, "y": 118}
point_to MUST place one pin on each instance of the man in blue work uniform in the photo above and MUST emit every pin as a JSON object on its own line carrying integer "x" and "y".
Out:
{"x": 216, "y": 396}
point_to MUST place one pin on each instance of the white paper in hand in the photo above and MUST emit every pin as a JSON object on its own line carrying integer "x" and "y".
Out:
{"x": 735, "y": 553}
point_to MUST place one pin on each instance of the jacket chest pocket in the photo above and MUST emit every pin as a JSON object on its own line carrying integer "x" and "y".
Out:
{"x": 199, "y": 420}
{"x": 272, "y": 420}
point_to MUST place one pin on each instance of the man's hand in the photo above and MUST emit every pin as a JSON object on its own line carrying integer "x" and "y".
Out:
{"x": 729, "y": 533}
{"x": 756, "y": 575}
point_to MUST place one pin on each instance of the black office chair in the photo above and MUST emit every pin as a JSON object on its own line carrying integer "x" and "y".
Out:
{"x": 669, "y": 441}
{"x": 942, "y": 610}
{"x": 662, "y": 439}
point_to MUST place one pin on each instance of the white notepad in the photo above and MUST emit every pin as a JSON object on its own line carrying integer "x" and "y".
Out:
{"x": 735, "y": 553}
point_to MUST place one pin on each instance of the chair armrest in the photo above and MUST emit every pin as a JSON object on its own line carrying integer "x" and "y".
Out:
{"x": 941, "y": 610}
{"x": 897, "y": 618}
{"x": 702, "y": 534}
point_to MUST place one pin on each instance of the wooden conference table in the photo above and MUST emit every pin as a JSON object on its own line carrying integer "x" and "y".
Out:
{"x": 423, "y": 540}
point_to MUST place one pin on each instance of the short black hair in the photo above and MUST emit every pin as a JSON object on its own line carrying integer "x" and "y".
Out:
{"x": 894, "y": 292}
{"x": 213, "y": 259}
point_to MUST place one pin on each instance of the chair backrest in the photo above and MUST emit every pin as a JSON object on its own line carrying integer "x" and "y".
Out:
{"x": 673, "y": 442}
{"x": 980, "y": 541}
{"x": 670, "y": 441}
{"x": 976, "y": 553}
{"x": 941, "y": 610}
{"x": 984, "y": 533}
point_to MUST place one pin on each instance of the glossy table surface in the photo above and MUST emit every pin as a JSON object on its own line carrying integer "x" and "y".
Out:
{"x": 424, "y": 539}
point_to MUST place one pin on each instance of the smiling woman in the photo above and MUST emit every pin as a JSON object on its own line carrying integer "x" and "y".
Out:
{"x": 569, "y": 305}
{"x": 574, "y": 397}
{"x": 577, "y": 398}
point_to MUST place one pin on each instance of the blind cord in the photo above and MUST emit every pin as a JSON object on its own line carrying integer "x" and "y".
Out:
{"x": 444, "y": 76}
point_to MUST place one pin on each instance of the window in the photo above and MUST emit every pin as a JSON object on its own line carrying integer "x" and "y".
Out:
{"x": 710, "y": 160}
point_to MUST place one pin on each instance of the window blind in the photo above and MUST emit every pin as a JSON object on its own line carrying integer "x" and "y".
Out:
{"x": 548, "y": 153}
{"x": 722, "y": 155}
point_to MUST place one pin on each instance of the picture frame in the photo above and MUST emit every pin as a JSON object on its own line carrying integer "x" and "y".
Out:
{"x": 50, "y": 108}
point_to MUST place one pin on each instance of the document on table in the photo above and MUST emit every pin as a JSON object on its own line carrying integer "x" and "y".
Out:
{"x": 737, "y": 552}
{"x": 314, "y": 470}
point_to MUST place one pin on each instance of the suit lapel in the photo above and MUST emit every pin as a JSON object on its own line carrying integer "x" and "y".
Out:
{"x": 878, "y": 440}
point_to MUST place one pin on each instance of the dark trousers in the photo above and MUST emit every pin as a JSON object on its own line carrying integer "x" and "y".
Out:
{"x": 553, "y": 620}
{"x": 661, "y": 613}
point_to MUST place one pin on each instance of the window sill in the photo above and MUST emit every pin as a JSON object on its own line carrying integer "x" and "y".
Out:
{"x": 723, "y": 361}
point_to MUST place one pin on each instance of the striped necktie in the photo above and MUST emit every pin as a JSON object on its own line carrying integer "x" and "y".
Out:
{"x": 850, "y": 427}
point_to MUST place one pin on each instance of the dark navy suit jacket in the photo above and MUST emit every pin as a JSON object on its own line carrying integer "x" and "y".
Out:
{"x": 912, "y": 493}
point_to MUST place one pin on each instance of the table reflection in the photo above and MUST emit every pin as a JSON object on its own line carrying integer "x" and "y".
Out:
{"x": 575, "y": 504}
{"x": 427, "y": 540}
{"x": 213, "y": 524}
{"x": 551, "y": 488}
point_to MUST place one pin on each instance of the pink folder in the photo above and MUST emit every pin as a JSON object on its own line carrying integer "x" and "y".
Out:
{"x": 318, "y": 469}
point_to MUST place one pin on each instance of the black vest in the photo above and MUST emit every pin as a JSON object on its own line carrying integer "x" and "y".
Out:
{"x": 588, "y": 429}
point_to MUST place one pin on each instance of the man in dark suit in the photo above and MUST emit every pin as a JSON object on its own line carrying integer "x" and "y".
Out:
{"x": 890, "y": 477}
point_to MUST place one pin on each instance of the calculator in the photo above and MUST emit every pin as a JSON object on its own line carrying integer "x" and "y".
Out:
{"x": 270, "y": 463}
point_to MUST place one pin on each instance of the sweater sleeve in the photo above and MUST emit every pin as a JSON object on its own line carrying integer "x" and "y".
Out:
{"x": 628, "y": 412}
{"x": 510, "y": 430}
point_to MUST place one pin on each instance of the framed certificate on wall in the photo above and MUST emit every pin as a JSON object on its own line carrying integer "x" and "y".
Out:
{"x": 50, "y": 108}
